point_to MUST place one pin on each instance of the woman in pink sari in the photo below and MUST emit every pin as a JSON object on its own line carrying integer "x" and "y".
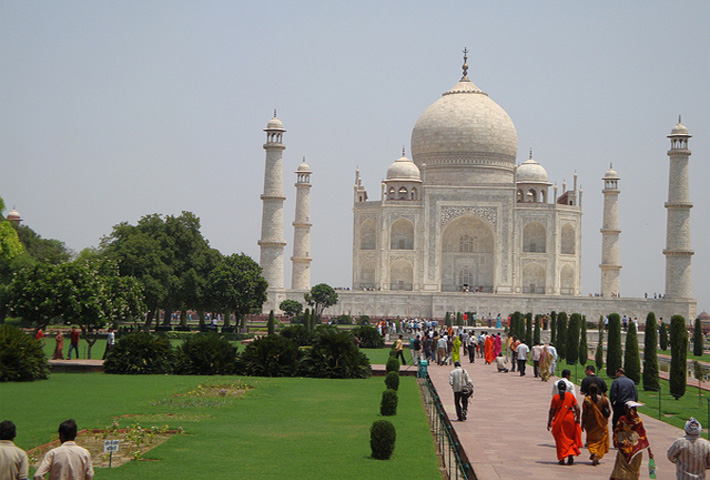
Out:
{"x": 497, "y": 345}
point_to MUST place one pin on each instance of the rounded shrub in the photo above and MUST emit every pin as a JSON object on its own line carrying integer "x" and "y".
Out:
{"x": 335, "y": 355}
{"x": 363, "y": 320}
{"x": 382, "y": 439}
{"x": 344, "y": 320}
{"x": 140, "y": 353}
{"x": 21, "y": 356}
{"x": 299, "y": 334}
{"x": 392, "y": 380}
{"x": 369, "y": 337}
{"x": 388, "y": 405}
{"x": 209, "y": 354}
{"x": 392, "y": 365}
{"x": 270, "y": 356}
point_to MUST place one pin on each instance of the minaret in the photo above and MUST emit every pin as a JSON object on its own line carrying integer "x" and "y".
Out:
{"x": 610, "y": 266}
{"x": 272, "y": 219}
{"x": 301, "y": 272}
{"x": 678, "y": 252}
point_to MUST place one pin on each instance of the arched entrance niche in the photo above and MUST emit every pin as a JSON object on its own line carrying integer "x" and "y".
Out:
{"x": 367, "y": 275}
{"x": 533, "y": 278}
{"x": 401, "y": 275}
{"x": 402, "y": 235}
{"x": 567, "y": 280}
{"x": 467, "y": 253}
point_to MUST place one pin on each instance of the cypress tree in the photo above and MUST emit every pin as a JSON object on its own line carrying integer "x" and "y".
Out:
{"x": 679, "y": 356}
{"x": 561, "y": 335}
{"x": 515, "y": 324}
{"x": 650, "y": 355}
{"x": 447, "y": 319}
{"x": 663, "y": 336}
{"x": 553, "y": 327}
{"x": 528, "y": 329}
{"x": 572, "y": 343}
{"x": 613, "y": 345}
{"x": 459, "y": 318}
{"x": 270, "y": 323}
{"x": 583, "y": 349}
{"x": 599, "y": 353}
{"x": 698, "y": 338}
{"x": 536, "y": 331}
{"x": 632, "y": 362}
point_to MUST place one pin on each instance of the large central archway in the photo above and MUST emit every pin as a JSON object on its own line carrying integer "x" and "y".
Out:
{"x": 467, "y": 255}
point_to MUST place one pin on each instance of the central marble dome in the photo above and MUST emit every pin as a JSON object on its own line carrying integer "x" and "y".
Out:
{"x": 464, "y": 138}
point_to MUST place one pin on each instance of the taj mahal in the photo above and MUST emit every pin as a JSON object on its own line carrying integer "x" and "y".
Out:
{"x": 463, "y": 226}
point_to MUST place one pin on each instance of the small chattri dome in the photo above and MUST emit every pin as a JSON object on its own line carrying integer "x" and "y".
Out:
{"x": 679, "y": 129}
{"x": 611, "y": 174}
{"x": 531, "y": 172}
{"x": 14, "y": 216}
{"x": 403, "y": 170}
{"x": 275, "y": 124}
{"x": 303, "y": 167}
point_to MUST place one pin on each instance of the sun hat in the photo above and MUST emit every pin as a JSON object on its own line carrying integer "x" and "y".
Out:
{"x": 634, "y": 404}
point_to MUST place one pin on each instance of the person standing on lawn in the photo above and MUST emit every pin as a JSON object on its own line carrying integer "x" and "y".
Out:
{"x": 14, "y": 464}
{"x": 74, "y": 337}
{"x": 68, "y": 461}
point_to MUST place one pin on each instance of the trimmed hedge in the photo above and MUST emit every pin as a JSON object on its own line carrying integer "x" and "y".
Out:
{"x": 21, "y": 357}
{"x": 270, "y": 356}
{"x": 698, "y": 338}
{"x": 206, "y": 354}
{"x": 599, "y": 353}
{"x": 392, "y": 365}
{"x": 388, "y": 405}
{"x": 572, "y": 343}
{"x": 369, "y": 337}
{"x": 334, "y": 355}
{"x": 392, "y": 380}
{"x": 140, "y": 353}
{"x": 561, "y": 335}
{"x": 583, "y": 349}
{"x": 663, "y": 336}
{"x": 382, "y": 439}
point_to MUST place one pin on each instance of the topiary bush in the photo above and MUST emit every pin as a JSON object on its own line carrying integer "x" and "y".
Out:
{"x": 21, "y": 356}
{"x": 679, "y": 356}
{"x": 583, "y": 348}
{"x": 271, "y": 323}
{"x": 650, "y": 355}
{"x": 344, "y": 320}
{"x": 299, "y": 334}
{"x": 369, "y": 337}
{"x": 632, "y": 361}
{"x": 698, "y": 338}
{"x": 663, "y": 336}
{"x": 209, "y": 354}
{"x": 613, "y": 345}
{"x": 392, "y": 365}
{"x": 270, "y": 356}
{"x": 561, "y": 342}
{"x": 363, "y": 320}
{"x": 140, "y": 353}
{"x": 392, "y": 380}
{"x": 388, "y": 405}
{"x": 382, "y": 439}
{"x": 335, "y": 355}
{"x": 572, "y": 343}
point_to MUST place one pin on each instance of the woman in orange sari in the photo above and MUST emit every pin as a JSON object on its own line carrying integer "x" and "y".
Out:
{"x": 489, "y": 351}
{"x": 563, "y": 422}
{"x": 596, "y": 424}
{"x": 630, "y": 438}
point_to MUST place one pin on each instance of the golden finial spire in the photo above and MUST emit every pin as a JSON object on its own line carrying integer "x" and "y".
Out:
{"x": 679, "y": 119}
{"x": 465, "y": 65}
{"x": 530, "y": 154}
{"x": 403, "y": 150}
{"x": 274, "y": 113}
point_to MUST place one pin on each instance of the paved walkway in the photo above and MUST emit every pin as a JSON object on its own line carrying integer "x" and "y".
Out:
{"x": 505, "y": 436}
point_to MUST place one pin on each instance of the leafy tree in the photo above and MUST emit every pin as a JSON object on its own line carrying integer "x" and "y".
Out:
{"x": 583, "y": 348}
{"x": 447, "y": 319}
{"x": 42, "y": 250}
{"x": 516, "y": 325}
{"x": 663, "y": 336}
{"x": 321, "y": 297}
{"x": 632, "y": 362}
{"x": 271, "y": 323}
{"x": 599, "y": 353}
{"x": 561, "y": 335}
{"x": 613, "y": 350}
{"x": 553, "y": 327}
{"x": 536, "y": 331}
{"x": 698, "y": 338}
{"x": 528, "y": 329}
{"x": 33, "y": 295}
{"x": 236, "y": 286}
{"x": 369, "y": 337}
{"x": 10, "y": 244}
{"x": 291, "y": 307}
{"x": 650, "y": 355}
{"x": 572, "y": 343}
{"x": 679, "y": 356}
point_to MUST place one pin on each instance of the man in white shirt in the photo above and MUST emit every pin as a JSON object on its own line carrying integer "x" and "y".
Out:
{"x": 552, "y": 351}
{"x": 522, "y": 353}
{"x": 566, "y": 376}
{"x": 536, "y": 351}
{"x": 68, "y": 461}
{"x": 457, "y": 379}
{"x": 690, "y": 453}
{"x": 13, "y": 460}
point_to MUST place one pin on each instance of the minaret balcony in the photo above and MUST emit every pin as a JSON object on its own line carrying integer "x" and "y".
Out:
{"x": 678, "y": 205}
{"x": 678, "y": 253}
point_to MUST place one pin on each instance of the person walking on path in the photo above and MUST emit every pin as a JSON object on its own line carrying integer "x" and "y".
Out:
{"x": 567, "y": 380}
{"x": 563, "y": 422}
{"x": 58, "y": 347}
{"x": 110, "y": 341}
{"x": 471, "y": 345}
{"x": 545, "y": 362}
{"x": 74, "y": 337}
{"x": 457, "y": 379}
{"x": 522, "y": 352}
{"x": 622, "y": 390}
{"x": 630, "y": 439}
{"x": 68, "y": 461}
{"x": 553, "y": 353}
{"x": 691, "y": 453}
{"x": 535, "y": 355}
{"x": 399, "y": 348}
{"x": 490, "y": 351}
{"x": 596, "y": 423}
{"x": 590, "y": 379}
{"x": 14, "y": 464}
{"x": 441, "y": 350}
{"x": 456, "y": 352}
{"x": 513, "y": 353}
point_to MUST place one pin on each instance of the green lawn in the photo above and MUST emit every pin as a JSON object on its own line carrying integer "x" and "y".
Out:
{"x": 287, "y": 427}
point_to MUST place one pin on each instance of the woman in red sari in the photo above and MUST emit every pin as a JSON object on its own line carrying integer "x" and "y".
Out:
{"x": 630, "y": 439}
{"x": 489, "y": 350}
{"x": 563, "y": 422}
{"x": 59, "y": 347}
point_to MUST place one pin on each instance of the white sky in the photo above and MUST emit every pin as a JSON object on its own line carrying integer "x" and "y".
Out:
{"x": 114, "y": 110}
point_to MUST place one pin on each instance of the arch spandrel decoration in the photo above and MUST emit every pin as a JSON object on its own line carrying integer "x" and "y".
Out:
{"x": 488, "y": 214}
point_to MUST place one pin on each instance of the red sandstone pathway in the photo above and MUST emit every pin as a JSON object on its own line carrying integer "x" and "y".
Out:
{"x": 505, "y": 436}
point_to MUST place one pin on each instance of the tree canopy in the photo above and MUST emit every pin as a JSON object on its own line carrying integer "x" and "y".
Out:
{"x": 321, "y": 297}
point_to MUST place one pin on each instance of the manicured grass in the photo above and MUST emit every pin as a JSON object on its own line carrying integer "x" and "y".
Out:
{"x": 286, "y": 427}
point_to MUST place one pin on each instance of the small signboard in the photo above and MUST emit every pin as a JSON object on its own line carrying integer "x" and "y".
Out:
{"x": 110, "y": 446}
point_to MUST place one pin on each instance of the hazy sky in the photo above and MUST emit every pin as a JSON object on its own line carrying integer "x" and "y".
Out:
{"x": 114, "y": 110}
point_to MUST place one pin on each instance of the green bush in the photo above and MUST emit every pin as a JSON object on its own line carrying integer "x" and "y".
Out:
{"x": 206, "y": 354}
{"x": 613, "y": 345}
{"x": 528, "y": 329}
{"x": 663, "y": 336}
{"x": 140, "y": 353}
{"x": 270, "y": 356}
{"x": 392, "y": 380}
{"x": 334, "y": 355}
{"x": 698, "y": 338}
{"x": 561, "y": 335}
{"x": 271, "y": 323}
{"x": 392, "y": 364}
{"x": 572, "y": 343}
{"x": 363, "y": 320}
{"x": 388, "y": 405}
{"x": 382, "y": 439}
{"x": 21, "y": 357}
{"x": 632, "y": 362}
{"x": 369, "y": 337}
{"x": 344, "y": 320}
{"x": 679, "y": 356}
{"x": 553, "y": 327}
{"x": 536, "y": 329}
{"x": 299, "y": 334}
{"x": 650, "y": 355}
{"x": 583, "y": 348}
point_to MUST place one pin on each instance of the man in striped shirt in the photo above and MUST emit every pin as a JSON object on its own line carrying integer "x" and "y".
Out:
{"x": 690, "y": 453}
